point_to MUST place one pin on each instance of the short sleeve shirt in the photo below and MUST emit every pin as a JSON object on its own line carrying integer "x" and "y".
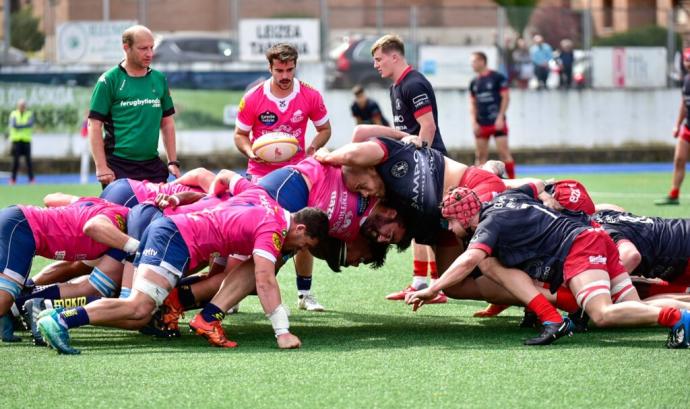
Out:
{"x": 486, "y": 96}
{"x": 367, "y": 114}
{"x": 260, "y": 112}
{"x": 411, "y": 97}
{"x": 131, "y": 109}
{"x": 145, "y": 190}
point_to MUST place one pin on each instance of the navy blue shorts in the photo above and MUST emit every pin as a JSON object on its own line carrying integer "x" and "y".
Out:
{"x": 120, "y": 192}
{"x": 140, "y": 217}
{"x": 162, "y": 245}
{"x": 287, "y": 187}
{"x": 17, "y": 245}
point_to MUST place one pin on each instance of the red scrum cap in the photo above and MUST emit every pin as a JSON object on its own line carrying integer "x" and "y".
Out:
{"x": 686, "y": 53}
{"x": 461, "y": 204}
{"x": 572, "y": 195}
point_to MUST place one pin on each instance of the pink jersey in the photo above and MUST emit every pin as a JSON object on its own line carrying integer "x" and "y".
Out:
{"x": 346, "y": 210}
{"x": 59, "y": 231}
{"x": 250, "y": 223}
{"x": 206, "y": 202}
{"x": 145, "y": 190}
{"x": 260, "y": 112}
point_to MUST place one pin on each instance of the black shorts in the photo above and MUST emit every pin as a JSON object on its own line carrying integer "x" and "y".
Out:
{"x": 153, "y": 170}
{"x": 21, "y": 148}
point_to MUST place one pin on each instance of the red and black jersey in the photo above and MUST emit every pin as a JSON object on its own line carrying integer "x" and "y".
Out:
{"x": 411, "y": 97}
{"x": 521, "y": 232}
{"x": 486, "y": 95}
{"x": 664, "y": 244}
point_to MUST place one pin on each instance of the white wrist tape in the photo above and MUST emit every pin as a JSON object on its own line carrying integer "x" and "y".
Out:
{"x": 131, "y": 246}
{"x": 175, "y": 199}
{"x": 279, "y": 320}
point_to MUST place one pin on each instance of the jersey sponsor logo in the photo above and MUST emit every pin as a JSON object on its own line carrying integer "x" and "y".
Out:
{"x": 70, "y": 303}
{"x": 277, "y": 241}
{"x": 420, "y": 100}
{"x": 400, "y": 169}
{"x": 60, "y": 255}
{"x": 398, "y": 104}
{"x": 398, "y": 119}
{"x": 268, "y": 118}
{"x": 362, "y": 204}
{"x": 122, "y": 86}
{"x": 120, "y": 222}
{"x": 331, "y": 204}
{"x": 149, "y": 252}
{"x": 597, "y": 259}
{"x": 298, "y": 116}
{"x": 155, "y": 103}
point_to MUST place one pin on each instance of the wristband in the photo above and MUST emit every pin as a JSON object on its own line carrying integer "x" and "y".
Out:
{"x": 175, "y": 199}
{"x": 279, "y": 320}
{"x": 174, "y": 162}
{"x": 131, "y": 246}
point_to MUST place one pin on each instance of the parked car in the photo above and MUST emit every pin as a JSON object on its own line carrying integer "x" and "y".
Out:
{"x": 189, "y": 48}
{"x": 351, "y": 63}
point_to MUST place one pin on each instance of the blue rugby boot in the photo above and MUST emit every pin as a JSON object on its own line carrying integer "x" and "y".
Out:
{"x": 55, "y": 334}
{"x": 679, "y": 336}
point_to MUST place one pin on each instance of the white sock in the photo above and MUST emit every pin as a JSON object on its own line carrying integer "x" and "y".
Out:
{"x": 418, "y": 282}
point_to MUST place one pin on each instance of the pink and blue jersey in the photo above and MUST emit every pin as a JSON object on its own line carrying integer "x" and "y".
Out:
{"x": 145, "y": 190}
{"x": 261, "y": 112}
{"x": 249, "y": 223}
{"x": 346, "y": 210}
{"x": 59, "y": 231}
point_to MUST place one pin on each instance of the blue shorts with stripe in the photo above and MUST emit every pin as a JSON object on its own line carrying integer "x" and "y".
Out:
{"x": 17, "y": 245}
{"x": 162, "y": 245}
{"x": 287, "y": 187}
{"x": 120, "y": 192}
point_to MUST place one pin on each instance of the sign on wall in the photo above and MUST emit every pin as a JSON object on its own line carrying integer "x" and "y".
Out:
{"x": 91, "y": 42}
{"x": 629, "y": 67}
{"x": 258, "y": 35}
{"x": 449, "y": 66}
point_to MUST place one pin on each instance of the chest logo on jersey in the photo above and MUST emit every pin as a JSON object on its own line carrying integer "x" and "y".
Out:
{"x": 268, "y": 118}
{"x": 420, "y": 100}
{"x": 277, "y": 241}
{"x": 400, "y": 169}
{"x": 298, "y": 116}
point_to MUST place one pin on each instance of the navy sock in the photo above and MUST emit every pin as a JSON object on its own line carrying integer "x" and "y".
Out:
{"x": 303, "y": 283}
{"x": 211, "y": 313}
{"x": 29, "y": 283}
{"x": 184, "y": 292}
{"x": 191, "y": 280}
{"x": 75, "y": 317}
{"x": 51, "y": 291}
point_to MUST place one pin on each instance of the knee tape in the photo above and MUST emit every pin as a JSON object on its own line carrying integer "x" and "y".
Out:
{"x": 156, "y": 292}
{"x": 620, "y": 290}
{"x": 11, "y": 287}
{"x": 102, "y": 283}
{"x": 591, "y": 290}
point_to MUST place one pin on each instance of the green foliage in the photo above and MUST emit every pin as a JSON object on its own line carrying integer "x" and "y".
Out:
{"x": 518, "y": 12}
{"x": 649, "y": 36}
{"x": 46, "y": 118}
{"x": 24, "y": 30}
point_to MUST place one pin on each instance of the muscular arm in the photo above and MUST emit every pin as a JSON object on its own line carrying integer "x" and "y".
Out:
{"x": 169, "y": 143}
{"x": 243, "y": 144}
{"x": 102, "y": 230}
{"x": 200, "y": 177}
{"x": 365, "y": 132}
{"x": 104, "y": 174}
{"x": 321, "y": 138}
{"x": 353, "y": 154}
{"x": 630, "y": 256}
{"x": 427, "y": 127}
{"x": 266, "y": 285}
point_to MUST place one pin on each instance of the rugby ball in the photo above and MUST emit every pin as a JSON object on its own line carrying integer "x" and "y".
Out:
{"x": 275, "y": 147}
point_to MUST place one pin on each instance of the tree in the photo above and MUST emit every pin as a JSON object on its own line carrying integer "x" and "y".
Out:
{"x": 24, "y": 32}
{"x": 518, "y": 12}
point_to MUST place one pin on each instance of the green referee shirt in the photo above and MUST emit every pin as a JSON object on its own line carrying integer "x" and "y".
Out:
{"x": 131, "y": 109}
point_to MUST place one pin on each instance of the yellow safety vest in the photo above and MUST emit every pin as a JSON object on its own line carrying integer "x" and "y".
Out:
{"x": 21, "y": 134}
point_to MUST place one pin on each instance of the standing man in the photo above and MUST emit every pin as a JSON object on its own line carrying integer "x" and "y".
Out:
{"x": 365, "y": 110}
{"x": 488, "y": 105}
{"x": 541, "y": 54}
{"x": 133, "y": 101}
{"x": 21, "y": 122}
{"x": 415, "y": 112}
{"x": 682, "y": 133}
{"x": 283, "y": 103}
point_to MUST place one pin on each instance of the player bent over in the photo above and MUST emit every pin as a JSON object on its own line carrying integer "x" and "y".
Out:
{"x": 251, "y": 223}
{"x": 585, "y": 259}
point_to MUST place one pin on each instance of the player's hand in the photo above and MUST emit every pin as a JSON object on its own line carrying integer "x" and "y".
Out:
{"x": 164, "y": 201}
{"x": 288, "y": 341}
{"x": 322, "y": 154}
{"x": 311, "y": 150}
{"x": 500, "y": 123}
{"x": 105, "y": 175}
{"x": 417, "y": 298}
{"x": 413, "y": 139}
{"x": 252, "y": 156}
{"x": 676, "y": 131}
{"x": 174, "y": 170}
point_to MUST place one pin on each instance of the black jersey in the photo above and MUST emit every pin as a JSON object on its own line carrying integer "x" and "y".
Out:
{"x": 686, "y": 99}
{"x": 414, "y": 177}
{"x": 521, "y": 232}
{"x": 664, "y": 244}
{"x": 368, "y": 113}
{"x": 411, "y": 97}
{"x": 486, "y": 92}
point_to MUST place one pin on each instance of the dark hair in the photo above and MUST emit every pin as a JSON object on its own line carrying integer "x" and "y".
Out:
{"x": 332, "y": 251}
{"x": 388, "y": 43}
{"x": 282, "y": 52}
{"x": 315, "y": 221}
{"x": 357, "y": 90}
{"x": 378, "y": 253}
{"x": 481, "y": 55}
{"x": 405, "y": 215}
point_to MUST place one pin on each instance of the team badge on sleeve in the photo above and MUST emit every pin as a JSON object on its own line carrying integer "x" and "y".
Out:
{"x": 277, "y": 241}
{"x": 121, "y": 224}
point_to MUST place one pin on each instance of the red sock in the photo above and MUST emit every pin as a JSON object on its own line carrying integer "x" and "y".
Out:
{"x": 565, "y": 300}
{"x": 673, "y": 194}
{"x": 420, "y": 268}
{"x": 433, "y": 270}
{"x": 510, "y": 169}
{"x": 668, "y": 317}
{"x": 544, "y": 310}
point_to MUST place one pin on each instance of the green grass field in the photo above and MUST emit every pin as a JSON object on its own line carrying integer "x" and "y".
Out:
{"x": 364, "y": 352}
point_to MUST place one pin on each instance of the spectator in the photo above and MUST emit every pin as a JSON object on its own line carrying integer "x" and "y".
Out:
{"x": 21, "y": 122}
{"x": 541, "y": 54}
{"x": 565, "y": 60}
{"x": 366, "y": 110}
{"x": 523, "y": 70}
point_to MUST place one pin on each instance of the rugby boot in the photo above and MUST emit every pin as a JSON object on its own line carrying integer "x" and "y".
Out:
{"x": 400, "y": 295}
{"x": 7, "y": 329}
{"x": 439, "y": 299}
{"x": 551, "y": 331}
{"x": 55, "y": 334}
{"x": 30, "y": 310}
{"x": 491, "y": 310}
{"x": 212, "y": 331}
{"x": 580, "y": 321}
{"x": 529, "y": 320}
{"x": 308, "y": 302}
{"x": 172, "y": 310}
{"x": 667, "y": 201}
{"x": 679, "y": 336}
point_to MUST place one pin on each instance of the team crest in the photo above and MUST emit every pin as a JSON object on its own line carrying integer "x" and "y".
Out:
{"x": 121, "y": 224}
{"x": 277, "y": 241}
{"x": 298, "y": 116}
{"x": 240, "y": 107}
{"x": 400, "y": 169}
